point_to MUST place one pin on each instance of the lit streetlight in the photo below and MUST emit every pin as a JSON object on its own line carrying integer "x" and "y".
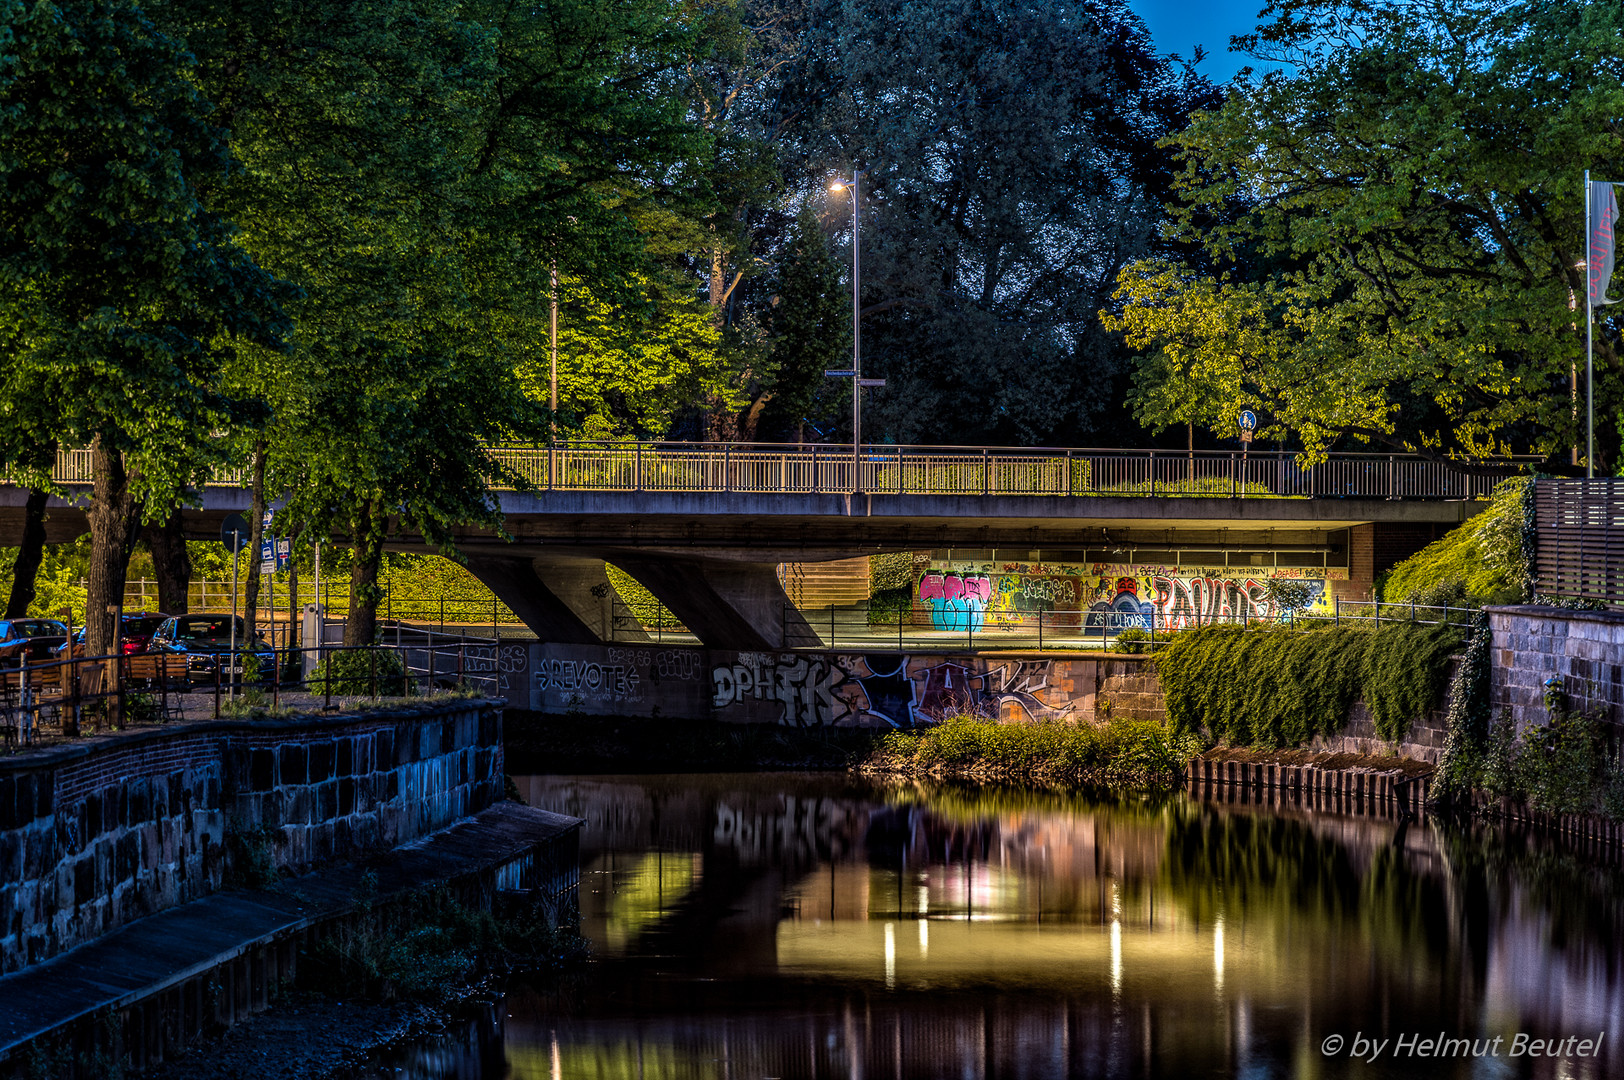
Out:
{"x": 856, "y": 372}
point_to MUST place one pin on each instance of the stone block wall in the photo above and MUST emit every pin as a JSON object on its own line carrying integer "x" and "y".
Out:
{"x": 1583, "y": 648}
{"x": 96, "y": 835}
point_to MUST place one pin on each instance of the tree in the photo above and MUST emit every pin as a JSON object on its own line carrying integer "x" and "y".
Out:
{"x": 811, "y": 329}
{"x": 1011, "y": 171}
{"x": 123, "y": 294}
{"x": 419, "y": 168}
{"x": 1406, "y": 271}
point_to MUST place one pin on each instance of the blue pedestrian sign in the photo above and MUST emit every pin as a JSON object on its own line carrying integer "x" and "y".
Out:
{"x": 1248, "y": 420}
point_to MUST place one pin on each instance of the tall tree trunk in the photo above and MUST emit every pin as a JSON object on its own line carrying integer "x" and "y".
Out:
{"x": 256, "y": 533}
{"x": 30, "y": 553}
{"x": 371, "y": 522}
{"x": 115, "y": 523}
{"x": 172, "y": 563}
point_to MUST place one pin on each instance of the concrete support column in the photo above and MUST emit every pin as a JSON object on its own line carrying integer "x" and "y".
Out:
{"x": 564, "y": 599}
{"x": 727, "y": 603}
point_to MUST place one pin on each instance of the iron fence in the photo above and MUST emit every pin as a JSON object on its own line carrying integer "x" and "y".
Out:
{"x": 944, "y": 470}
{"x": 888, "y": 627}
{"x": 70, "y": 697}
{"x": 775, "y": 468}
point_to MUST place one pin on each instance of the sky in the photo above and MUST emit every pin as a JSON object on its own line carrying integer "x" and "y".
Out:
{"x": 1180, "y": 25}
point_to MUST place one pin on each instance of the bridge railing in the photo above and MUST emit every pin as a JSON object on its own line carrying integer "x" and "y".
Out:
{"x": 946, "y": 470}
{"x": 772, "y": 468}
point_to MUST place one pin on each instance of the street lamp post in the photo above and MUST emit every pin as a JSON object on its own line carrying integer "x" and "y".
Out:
{"x": 856, "y": 352}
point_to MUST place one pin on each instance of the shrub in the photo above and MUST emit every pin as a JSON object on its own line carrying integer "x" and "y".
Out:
{"x": 355, "y": 672}
{"x": 1281, "y": 687}
{"x": 1116, "y": 749}
{"x": 1131, "y": 639}
{"x": 1482, "y": 560}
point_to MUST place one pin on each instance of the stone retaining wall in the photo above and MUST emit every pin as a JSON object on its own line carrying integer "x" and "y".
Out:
{"x": 98, "y": 834}
{"x": 1585, "y": 649}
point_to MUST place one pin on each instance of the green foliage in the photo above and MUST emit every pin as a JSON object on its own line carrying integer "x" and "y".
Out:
{"x": 356, "y": 672}
{"x": 892, "y": 570}
{"x": 811, "y": 331}
{"x": 59, "y": 582}
{"x": 250, "y": 855}
{"x": 1131, "y": 639}
{"x": 1559, "y": 766}
{"x": 1404, "y": 671}
{"x": 1289, "y": 596}
{"x": 887, "y": 606}
{"x": 993, "y": 213}
{"x": 1390, "y": 222}
{"x": 1117, "y": 749}
{"x": 124, "y": 294}
{"x": 1281, "y": 687}
{"x": 1478, "y": 562}
{"x": 1467, "y": 728}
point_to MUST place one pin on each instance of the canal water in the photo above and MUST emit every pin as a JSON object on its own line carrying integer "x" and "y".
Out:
{"x": 794, "y": 925}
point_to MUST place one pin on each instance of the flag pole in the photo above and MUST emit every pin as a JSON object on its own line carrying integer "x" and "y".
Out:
{"x": 1590, "y": 362}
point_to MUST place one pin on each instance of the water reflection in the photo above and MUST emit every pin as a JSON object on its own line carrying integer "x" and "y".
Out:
{"x": 778, "y": 926}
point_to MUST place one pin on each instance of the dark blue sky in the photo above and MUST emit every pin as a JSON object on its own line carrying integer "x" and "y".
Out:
{"x": 1180, "y": 25}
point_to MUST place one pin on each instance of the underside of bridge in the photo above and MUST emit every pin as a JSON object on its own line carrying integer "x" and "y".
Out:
{"x": 712, "y": 559}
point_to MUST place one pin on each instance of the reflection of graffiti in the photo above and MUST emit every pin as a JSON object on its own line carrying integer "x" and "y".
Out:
{"x": 802, "y": 685}
{"x": 957, "y": 601}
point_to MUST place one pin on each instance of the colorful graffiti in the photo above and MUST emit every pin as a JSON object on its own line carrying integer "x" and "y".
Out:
{"x": 957, "y": 601}
{"x": 1106, "y": 597}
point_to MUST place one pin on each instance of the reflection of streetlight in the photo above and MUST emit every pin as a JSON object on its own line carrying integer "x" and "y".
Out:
{"x": 856, "y": 355}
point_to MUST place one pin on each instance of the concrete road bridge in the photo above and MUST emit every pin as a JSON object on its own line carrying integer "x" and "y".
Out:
{"x": 705, "y": 527}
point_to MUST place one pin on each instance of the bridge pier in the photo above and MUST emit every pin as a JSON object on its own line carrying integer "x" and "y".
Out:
{"x": 563, "y": 598}
{"x": 727, "y": 603}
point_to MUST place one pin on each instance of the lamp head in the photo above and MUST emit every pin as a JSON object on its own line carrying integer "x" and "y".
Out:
{"x": 837, "y": 185}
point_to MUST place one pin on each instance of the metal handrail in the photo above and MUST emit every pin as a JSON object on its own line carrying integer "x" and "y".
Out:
{"x": 801, "y": 469}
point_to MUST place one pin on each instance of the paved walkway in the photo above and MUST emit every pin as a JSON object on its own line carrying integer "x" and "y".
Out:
{"x": 163, "y": 950}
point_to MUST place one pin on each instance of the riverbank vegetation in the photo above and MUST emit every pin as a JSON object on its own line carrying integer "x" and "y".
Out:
{"x": 1281, "y": 687}
{"x": 430, "y": 946}
{"x": 974, "y": 747}
{"x": 1483, "y": 561}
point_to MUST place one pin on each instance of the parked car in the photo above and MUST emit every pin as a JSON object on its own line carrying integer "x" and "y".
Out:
{"x": 136, "y": 636}
{"x": 33, "y": 639}
{"x": 206, "y": 642}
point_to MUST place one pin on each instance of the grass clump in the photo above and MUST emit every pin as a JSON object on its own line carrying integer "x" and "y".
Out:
{"x": 1281, "y": 687}
{"x": 968, "y": 745}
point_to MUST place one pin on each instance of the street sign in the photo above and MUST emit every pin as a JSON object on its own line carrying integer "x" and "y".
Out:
{"x": 870, "y": 382}
{"x": 1246, "y": 435}
{"x": 1248, "y": 420}
{"x": 284, "y": 552}
{"x": 234, "y": 532}
{"x": 838, "y": 373}
{"x": 267, "y": 519}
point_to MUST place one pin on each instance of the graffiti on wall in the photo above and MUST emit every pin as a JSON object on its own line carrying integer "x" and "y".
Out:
{"x": 1108, "y": 597}
{"x": 957, "y": 601}
{"x": 803, "y": 685}
{"x": 801, "y": 689}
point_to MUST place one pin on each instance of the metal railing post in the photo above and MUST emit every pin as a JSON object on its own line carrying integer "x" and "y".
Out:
{"x": 727, "y": 467}
{"x": 815, "y": 487}
{"x": 1040, "y": 629}
{"x": 1153, "y": 474}
{"x": 986, "y": 473}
